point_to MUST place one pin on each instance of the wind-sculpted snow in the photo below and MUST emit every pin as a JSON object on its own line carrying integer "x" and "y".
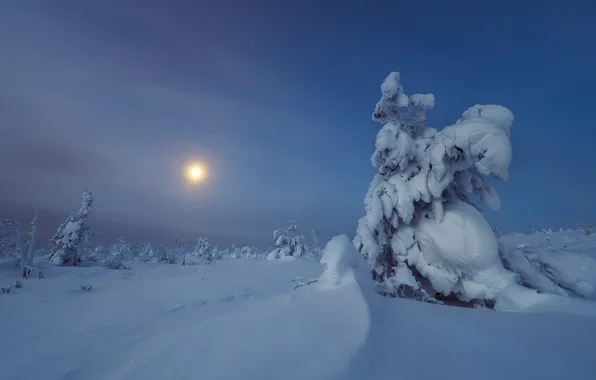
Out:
{"x": 562, "y": 263}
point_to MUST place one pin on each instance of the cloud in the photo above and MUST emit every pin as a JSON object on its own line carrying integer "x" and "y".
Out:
{"x": 30, "y": 144}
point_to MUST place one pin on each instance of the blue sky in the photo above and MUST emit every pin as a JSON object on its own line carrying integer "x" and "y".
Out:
{"x": 276, "y": 98}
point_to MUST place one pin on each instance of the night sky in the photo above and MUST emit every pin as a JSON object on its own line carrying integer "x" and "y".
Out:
{"x": 276, "y": 98}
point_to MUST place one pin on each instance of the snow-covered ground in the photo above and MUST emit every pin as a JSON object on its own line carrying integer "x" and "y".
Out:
{"x": 247, "y": 319}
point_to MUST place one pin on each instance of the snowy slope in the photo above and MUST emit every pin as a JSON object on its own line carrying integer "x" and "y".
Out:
{"x": 243, "y": 319}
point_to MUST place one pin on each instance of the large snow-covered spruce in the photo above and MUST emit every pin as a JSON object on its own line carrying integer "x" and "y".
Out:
{"x": 421, "y": 230}
{"x": 75, "y": 231}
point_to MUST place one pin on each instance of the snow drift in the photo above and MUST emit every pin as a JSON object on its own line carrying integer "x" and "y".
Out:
{"x": 247, "y": 319}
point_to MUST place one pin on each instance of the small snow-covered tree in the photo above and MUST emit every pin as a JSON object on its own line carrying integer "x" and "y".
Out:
{"x": 162, "y": 254}
{"x": 315, "y": 249}
{"x": 126, "y": 250}
{"x": 178, "y": 252}
{"x": 216, "y": 253}
{"x": 298, "y": 246}
{"x": 201, "y": 252}
{"x": 12, "y": 229}
{"x": 282, "y": 244}
{"x": 248, "y": 252}
{"x": 420, "y": 220}
{"x": 224, "y": 253}
{"x": 146, "y": 252}
{"x": 12, "y": 244}
{"x": 203, "y": 249}
{"x": 5, "y": 246}
{"x": 75, "y": 231}
{"x": 118, "y": 254}
{"x": 98, "y": 254}
{"x": 234, "y": 252}
{"x": 288, "y": 242}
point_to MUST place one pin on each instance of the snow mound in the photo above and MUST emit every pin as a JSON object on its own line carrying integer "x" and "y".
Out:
{"x": 460, "y": 254}
{"x": 339, "y": 257}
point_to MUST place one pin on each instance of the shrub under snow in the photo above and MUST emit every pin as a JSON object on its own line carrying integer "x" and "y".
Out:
{"x": 339, "y": 258}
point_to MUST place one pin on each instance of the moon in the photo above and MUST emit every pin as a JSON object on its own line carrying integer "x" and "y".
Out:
{"x": 195, "y": 173}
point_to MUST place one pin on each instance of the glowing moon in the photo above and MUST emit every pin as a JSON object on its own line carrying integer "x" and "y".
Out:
{"x": 195, "y": 173}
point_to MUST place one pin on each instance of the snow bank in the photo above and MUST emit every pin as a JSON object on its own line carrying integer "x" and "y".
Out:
{"x": 517, "y": 298}
{"x": 243, "y": 320}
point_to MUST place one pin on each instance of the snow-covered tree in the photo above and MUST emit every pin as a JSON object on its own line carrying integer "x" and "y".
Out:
{"x": 118, "y": 254}
{"x": 282, "y": 244}
{"x": 178, "y": 252}
{"x": 125, "y": 249}
{"x": 216, "y": 253}
{"x": 224, "y": 253}
{"x": 203, "y": 248}
{"x": 74, "y": 232}
{"x": 146, "y": 252}
{"x": 12, "y": 230}
{"x": 316, "y": 251}
{"x": 11, "y": 243}
{"x": 234, "y": 252}
{"x": 248, "y": 252}
{"x": 288, "y": 242}
{"x": 201, "y": 252}
{"x": 297, "y": 245}
{"x": 98, "y": 254}
{"x": 6, "y": 243}
{"x": 162, "y": 255}
{"x": 420, "y": 220}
